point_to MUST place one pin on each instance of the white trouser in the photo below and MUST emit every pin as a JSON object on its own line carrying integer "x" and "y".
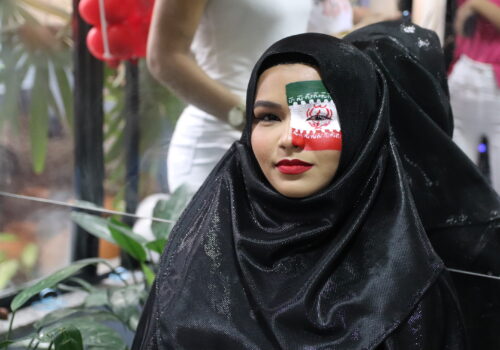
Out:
{"x": 475, "y": 100}
{"x": 198, "y": 143}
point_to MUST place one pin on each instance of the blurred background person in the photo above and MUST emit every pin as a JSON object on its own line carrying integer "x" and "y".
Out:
{"x": 367, "y": 12}
{"x": 436, "y": 15}
{"x": 430, "y": 14}
{"x": 475, "y": 80}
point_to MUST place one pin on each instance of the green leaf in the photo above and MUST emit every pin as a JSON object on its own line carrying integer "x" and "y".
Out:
{"x": 66, "y": 93}
{"x": 84, "y": 284}
{"x": 114, "y": 127}
{"x": 128, "y": 244}
{"x": 8, "y": 270}
{"x": 48, "y": 8}
{"x": 54, "y": 106}
{"x": 39, "y": 118}
{"x": 69, "y": 339}
{"x": 18, "y": 343}
{"x": 95, "y": 335}
{"x": 124, "y": 302}
{"x": 117, "y": 149}
{"x": 5, "y": 343}
{"x": 98, "y": 297}
{"x": 51, "y": 281}
{"x": 54, "y": 316}
{"x": 87, "y": 205}
{"x": 157, "y": 246}
{"x": 170, "y": 209}
{"x": 29, "y": 256}
{"x": 120, "y": 226}
{"x": 10, "y": 101}
{"x": 93, "y": 224}
{"x": 148, "y": 273}
{"x": 60, "y": 316}
{"x": 8, "y": 237}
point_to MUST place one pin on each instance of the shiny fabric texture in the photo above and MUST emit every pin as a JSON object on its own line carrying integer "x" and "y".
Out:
{"x": 349, "y": 267}
{"x": 458, "y": 208}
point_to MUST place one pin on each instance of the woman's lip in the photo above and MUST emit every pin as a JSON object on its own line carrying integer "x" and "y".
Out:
{"x": 293, "y": 166}
{"x": 293, "y": 162}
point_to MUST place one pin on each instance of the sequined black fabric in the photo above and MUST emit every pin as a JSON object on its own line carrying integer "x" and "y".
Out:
{"x": 349, "y": 267}
{"x": 458, "y": 208}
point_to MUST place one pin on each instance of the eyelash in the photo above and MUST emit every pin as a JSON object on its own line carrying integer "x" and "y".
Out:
{"x": 318, "y": 117}
{"x": 267, "y": 117}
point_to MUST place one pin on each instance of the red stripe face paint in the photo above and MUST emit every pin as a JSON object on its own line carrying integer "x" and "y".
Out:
{"x": 314, "y": 120}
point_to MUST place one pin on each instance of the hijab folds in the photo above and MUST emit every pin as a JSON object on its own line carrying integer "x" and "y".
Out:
{"x": 458, "y": 208}
{"x": 349, "y": 267}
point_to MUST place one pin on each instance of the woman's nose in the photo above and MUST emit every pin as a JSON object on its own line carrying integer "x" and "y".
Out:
{"x": 287, "y": 140}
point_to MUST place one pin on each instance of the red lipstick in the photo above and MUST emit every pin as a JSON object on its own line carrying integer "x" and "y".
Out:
{"x": 293, "y": 166}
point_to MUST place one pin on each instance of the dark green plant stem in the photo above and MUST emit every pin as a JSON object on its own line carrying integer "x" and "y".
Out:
{"x": 9, "y": 332}
{"x": 32, "y": 340}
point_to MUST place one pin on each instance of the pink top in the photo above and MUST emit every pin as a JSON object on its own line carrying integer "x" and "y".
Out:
{"x": 484, "y": 45}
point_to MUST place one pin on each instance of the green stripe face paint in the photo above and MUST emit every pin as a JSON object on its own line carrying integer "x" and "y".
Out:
{"x": 314, "y": 120}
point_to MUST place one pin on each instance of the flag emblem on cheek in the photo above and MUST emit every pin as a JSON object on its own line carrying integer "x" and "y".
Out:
{"x": 314, "y": 121}
{"x": 319, "y": 115}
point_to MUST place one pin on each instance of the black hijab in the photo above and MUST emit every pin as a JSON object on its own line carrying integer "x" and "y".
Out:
{"x": 458, "y": 208}
{"x": 349, "y": 267}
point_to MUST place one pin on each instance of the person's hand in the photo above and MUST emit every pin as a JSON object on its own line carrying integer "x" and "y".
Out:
{"x": 463, "y": 13}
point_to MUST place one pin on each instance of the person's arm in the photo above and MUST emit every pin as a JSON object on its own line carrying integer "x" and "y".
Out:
{"x": 359, "y": 13}
{"x": 430, "y": 14}
{"x": 488, "y": 10}
{"x": 170, "y": 61}
{"x": 485, "y": 8}
{"x": 363, "y": 16}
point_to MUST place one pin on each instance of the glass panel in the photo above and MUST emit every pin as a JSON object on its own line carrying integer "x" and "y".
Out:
{"x": 35, "y": 240}
{"x": 37, "y": 141}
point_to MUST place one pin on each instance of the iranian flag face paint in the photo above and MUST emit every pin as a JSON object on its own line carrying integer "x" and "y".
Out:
{"x": 314, "y": 120}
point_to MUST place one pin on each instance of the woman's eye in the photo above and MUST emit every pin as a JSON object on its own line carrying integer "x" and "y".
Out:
{"x": 268, "y": 117}
{"x": 318, "y": 117}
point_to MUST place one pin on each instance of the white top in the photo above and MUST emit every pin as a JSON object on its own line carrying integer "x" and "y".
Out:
{"x": 330, "y": 16}
{"x": 233, "y": 34}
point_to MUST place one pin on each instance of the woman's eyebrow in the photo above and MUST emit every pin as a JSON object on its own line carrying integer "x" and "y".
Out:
{"x": 268, "y": 104}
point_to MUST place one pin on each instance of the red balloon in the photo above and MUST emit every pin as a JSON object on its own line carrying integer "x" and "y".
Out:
{"x": 113, "y": 63}
{"x": 119, "y": 40}
{"x": 120, "y": 43}
{"x": 142, "y": 39}
{"x": 116, "y": 11}
{"x": 94, "y": 43}
{"x": 144, "y": 7}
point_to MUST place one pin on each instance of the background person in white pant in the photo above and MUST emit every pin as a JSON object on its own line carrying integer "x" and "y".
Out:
{"x": 475, "y": 80}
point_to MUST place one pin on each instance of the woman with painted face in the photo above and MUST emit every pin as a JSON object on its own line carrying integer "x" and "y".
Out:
{"x": 305, "y": 235}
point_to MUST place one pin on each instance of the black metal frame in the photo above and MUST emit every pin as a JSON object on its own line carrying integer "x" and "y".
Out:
{"x": 88, "y": 134}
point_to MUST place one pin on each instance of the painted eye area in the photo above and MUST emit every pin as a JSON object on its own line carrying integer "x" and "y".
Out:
{"x": 319, "y": 115}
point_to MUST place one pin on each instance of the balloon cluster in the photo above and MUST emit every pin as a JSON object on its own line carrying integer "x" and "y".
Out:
{"x": 120, "y": 28}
